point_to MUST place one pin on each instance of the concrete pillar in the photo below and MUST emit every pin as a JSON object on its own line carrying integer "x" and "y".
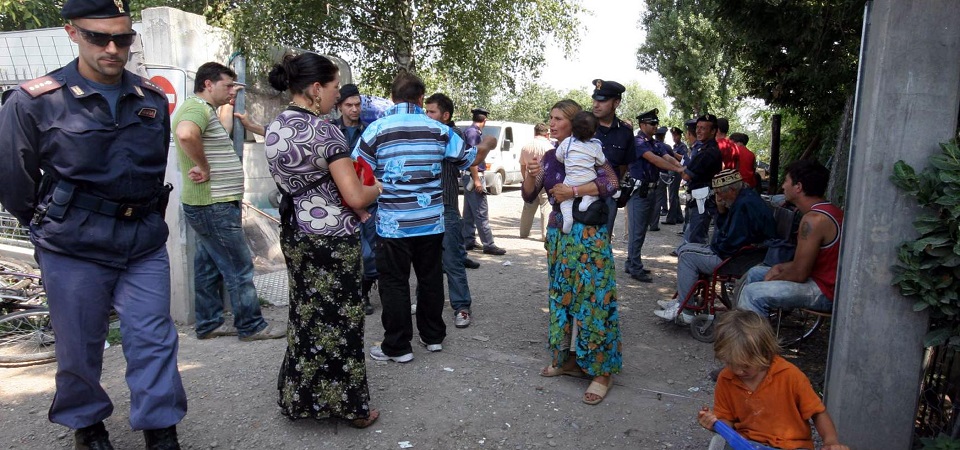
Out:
{"x": 907, "y": 102}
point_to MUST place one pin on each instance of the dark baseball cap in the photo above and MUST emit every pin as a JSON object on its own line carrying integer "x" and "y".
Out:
{"x": 95, "y": 9}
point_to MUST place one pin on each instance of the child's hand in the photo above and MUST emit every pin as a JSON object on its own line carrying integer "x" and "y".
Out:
{"x": 707, "y": 418}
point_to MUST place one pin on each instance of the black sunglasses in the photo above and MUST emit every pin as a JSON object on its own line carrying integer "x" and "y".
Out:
{"x": 122, "y": 40}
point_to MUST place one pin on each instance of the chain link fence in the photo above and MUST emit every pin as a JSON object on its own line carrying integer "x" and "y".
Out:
{"x": 939, "y": 408}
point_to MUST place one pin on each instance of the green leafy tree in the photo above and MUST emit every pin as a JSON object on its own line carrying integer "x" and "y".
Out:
{"x": 29, "y": 14}
{"x": 638, "y": 100}
{"x": 685, "y": 47}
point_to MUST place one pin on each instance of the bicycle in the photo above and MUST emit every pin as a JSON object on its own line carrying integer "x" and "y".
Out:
{"x": 26, "y": 333}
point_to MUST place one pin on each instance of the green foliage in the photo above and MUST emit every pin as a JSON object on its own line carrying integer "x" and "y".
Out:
{"x": 637, "y": 100}
{"x": 29, "y": 14}
{"x": 685, "y": 46}
{"x": 928, "y": 268}
{"x": 942, "y": 442}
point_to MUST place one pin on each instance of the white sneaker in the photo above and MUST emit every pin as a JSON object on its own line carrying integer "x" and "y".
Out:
{"x": 668, "y": 304}
{"x": 667, "y": 314}
{"x": 431, "y": 347}
{"x": 377, "y": 354}
{"x": 413, "y": 309}
{"x": 687, "y": 317}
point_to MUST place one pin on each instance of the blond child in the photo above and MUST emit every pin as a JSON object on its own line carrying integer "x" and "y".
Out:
{"x": 759, "y": 394}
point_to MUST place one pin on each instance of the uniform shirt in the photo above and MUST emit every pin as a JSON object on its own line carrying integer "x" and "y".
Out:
{"x": 472, "y": 136}
{"x": 777, "y": 414}
{"x": 226, "y": 170}
{"x": 300, "y": 147}
{"x": 62, "y": 125}
{"x": 405, "y": 149}
{"x": 641, "y": 169}
{"x": 618, "y": 144}
{"x": 704, "y": 165}
{"x": 665, "y": 150}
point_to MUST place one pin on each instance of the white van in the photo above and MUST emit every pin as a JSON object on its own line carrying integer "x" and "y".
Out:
{"x": 503, "y": 162}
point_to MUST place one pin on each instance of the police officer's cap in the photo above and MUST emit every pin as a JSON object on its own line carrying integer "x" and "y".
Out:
{"x": 347, "y": 91}
{"x": 95, "y": 9}
{"x": 649, "y": 117}
{"x": 661, "y": 130}
{"x": 708, "y": 118}
{"x": 605, "y": 90}
{"x": 477, "y": 111}
{"x": 691, "y": 124}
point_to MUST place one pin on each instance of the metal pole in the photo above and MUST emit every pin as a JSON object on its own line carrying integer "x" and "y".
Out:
{"x": 239, "y": 133}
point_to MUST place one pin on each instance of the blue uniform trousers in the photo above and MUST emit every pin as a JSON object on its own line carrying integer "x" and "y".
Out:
{"x": 453, "y": 256}
{"x": 639, "y": 218}
{"x": 611, "y": 214}
{"x": 368, "y": 239}
{"x": 80, "y": 294}
{"x": 222, "y": 251}
{"x": 698, "y": 226}
{"x": 476, "y": 215}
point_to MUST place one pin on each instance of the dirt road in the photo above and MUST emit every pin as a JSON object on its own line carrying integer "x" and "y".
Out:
{"x": 482, "y": 391}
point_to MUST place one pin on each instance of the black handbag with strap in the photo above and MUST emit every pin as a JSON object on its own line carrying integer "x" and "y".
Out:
{"x": 287, "y": 207}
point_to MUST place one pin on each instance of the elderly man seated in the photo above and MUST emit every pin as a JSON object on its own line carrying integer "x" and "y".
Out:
{"x": 743, "y": 219}
{"x": 809, "y": 280}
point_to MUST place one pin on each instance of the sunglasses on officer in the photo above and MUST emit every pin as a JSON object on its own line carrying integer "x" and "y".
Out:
{"x": 122, "y": 40}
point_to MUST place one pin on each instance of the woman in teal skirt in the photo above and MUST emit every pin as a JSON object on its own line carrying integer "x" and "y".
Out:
{"x": 584, "y": 334}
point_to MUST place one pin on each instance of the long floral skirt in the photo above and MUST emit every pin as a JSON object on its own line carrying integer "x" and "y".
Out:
{"x": 584, "y": 317}
{"x": 323, "y": 373}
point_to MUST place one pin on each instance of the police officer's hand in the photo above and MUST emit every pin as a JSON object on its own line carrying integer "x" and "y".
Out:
{"x": 198, "y": 175}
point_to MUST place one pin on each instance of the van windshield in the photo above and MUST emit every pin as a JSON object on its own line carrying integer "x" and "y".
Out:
{"x": 492, "y": 131}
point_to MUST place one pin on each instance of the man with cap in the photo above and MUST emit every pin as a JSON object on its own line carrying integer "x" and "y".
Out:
{"x": 693, "y": 147}
{"x": 351, "y": 127}
{"x": 698, "y": 174}
{"x": 743, "y": 219}
{"x": 84, "y": 165}
{"x": 674, "y": 214}
{"x": 645, "y": 172}
{"x": 476, "y": 218}
{"x": 615, "y": 135}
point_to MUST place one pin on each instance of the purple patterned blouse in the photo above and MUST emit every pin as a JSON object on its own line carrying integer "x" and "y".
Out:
{"x": 300, "y": 148}
{"x": 553, "y": 172}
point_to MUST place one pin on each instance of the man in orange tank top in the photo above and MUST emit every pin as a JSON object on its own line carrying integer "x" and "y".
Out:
{"x": 809, "y": 280}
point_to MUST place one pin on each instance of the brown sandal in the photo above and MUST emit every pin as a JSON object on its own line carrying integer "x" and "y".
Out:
{"x": 365, "y": 422}
{"x": 598, "y": 389}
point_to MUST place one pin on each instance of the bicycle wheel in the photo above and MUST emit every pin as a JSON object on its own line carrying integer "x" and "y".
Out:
{"x": 7, "y": 265}
{"x": 794, "y": 326}
{"x": 26, "y": 336}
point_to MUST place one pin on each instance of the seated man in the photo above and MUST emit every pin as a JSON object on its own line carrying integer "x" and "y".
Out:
{"x": 809, "y": 280}
{"x": 744, "y": 219}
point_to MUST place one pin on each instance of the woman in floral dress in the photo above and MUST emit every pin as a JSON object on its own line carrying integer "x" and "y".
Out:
{"x": 584, "y": 333}
{"x": 323, "y": 374}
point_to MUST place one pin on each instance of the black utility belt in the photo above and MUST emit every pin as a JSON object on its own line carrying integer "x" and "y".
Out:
{"x": 124, "y": 211}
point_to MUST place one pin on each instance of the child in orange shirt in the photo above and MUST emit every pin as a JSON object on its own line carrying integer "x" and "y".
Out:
{"x": 759, "y": 394}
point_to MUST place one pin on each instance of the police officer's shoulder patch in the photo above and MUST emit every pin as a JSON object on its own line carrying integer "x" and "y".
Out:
{"x": 40, "y": 86}
{"x": 150, "y": 85}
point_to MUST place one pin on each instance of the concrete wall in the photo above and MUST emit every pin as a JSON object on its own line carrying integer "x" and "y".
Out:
{"x": 907, "y": 102}
{"x": 175, "y": 38}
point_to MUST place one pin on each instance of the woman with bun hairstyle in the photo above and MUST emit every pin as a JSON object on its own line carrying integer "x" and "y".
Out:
{"x": 323, "y": 374}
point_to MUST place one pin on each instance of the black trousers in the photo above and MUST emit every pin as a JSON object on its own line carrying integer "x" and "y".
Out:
{"x": 395, "y": 256}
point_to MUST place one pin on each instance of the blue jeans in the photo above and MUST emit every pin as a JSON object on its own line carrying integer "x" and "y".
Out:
{"x": 368, "y": 239}
{"x": 763, "y": 296}
{"x": 476, "y": 215}
{"x": 453, "y": 256}
{"x": 698, "y": 227}
{"x": 693, "y": 260}
{"x": 639, "y": 219}
{"x": 222, "y": 251}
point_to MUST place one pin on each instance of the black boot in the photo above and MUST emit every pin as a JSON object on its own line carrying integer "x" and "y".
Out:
{"x": 367, "y": 285}
{"x": 94, "y": 437}
{"x": 162, "y": 439}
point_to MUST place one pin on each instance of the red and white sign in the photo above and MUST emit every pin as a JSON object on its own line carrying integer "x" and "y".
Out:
{"x": 168, "y": 89}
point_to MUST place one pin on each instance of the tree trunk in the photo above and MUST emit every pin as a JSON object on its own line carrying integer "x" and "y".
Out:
{"x": 836, "y": 189}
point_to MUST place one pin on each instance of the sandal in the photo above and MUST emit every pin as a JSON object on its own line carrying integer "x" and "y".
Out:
{"x": 364, "y": 422}
{"x": 599, "y": 390}
{"x": 551, "y": 371}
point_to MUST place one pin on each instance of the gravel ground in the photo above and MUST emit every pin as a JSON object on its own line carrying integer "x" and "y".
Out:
{"x": 481, "y": 391}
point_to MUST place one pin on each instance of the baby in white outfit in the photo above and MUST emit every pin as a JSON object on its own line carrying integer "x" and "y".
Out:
{"x": 580, "y": 154}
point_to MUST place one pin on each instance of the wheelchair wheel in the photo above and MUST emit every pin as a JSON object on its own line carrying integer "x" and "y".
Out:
{"x": 794, "y": 326}
{"x": 702, "y": 328}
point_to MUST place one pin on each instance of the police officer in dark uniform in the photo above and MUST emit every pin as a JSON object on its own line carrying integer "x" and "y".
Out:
{"x": 476, "y": 212}
{"x": 645, "y": 172}
{"x": 83, "y": 167}
{"x": 615, "y": 135}
{"x": 666, "y": 177}
{"x": 705, "y": 164}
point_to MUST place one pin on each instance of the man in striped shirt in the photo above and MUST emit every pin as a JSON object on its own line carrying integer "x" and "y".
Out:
{"x": 406, "y": 149}
{"x": 211, "y": 192}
